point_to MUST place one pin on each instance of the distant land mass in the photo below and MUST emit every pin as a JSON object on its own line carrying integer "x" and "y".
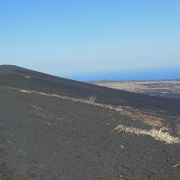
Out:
{"x": 163, "y": 88}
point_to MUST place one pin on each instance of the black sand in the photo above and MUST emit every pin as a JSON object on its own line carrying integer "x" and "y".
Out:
{"x": 50, "y": 138}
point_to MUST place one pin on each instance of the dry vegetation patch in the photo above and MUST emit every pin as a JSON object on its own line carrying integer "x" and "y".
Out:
{"x": 159, "y": 135}
{"x": 148, "y": 118}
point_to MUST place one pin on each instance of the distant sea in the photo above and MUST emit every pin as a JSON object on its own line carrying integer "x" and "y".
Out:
{"x": 138, "y": 74}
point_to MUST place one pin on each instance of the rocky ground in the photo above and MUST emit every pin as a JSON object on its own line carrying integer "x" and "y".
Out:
{"x": 50, "y": 129}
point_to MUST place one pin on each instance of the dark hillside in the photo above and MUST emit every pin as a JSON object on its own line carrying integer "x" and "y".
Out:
{"x": 28, "y": 79}
{"x": 49, "y": 132}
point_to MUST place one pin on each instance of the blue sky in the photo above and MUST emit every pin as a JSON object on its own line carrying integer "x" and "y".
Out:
{"x": 76, "y": 38}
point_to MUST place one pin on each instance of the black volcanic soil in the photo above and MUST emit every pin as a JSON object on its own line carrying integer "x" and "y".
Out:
{"x": 48, "y": 138}
{"x": 27, "y": 79}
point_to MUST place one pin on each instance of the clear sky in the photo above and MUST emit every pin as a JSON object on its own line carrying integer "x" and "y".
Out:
{"x": 75, "y": 37}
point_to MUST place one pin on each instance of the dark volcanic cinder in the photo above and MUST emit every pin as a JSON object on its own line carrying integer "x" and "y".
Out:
{"x": 50, "y": 130}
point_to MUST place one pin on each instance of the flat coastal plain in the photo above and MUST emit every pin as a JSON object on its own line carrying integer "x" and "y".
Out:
{"x": 163, "y": 88}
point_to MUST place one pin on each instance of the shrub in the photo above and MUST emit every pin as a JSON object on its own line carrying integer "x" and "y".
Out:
{"x": 92, "y": 99}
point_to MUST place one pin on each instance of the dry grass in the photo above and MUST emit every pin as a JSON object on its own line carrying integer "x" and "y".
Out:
{"x": 25, "y": 91}
{"x": 27, "y": 77}
{"x": 159, "y": 135}
{"x": 92, "y": 99}
{"x": 144, "y": 117}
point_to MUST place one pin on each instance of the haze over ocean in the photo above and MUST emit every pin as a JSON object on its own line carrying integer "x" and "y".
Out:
{"x": 93, "y": 39}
